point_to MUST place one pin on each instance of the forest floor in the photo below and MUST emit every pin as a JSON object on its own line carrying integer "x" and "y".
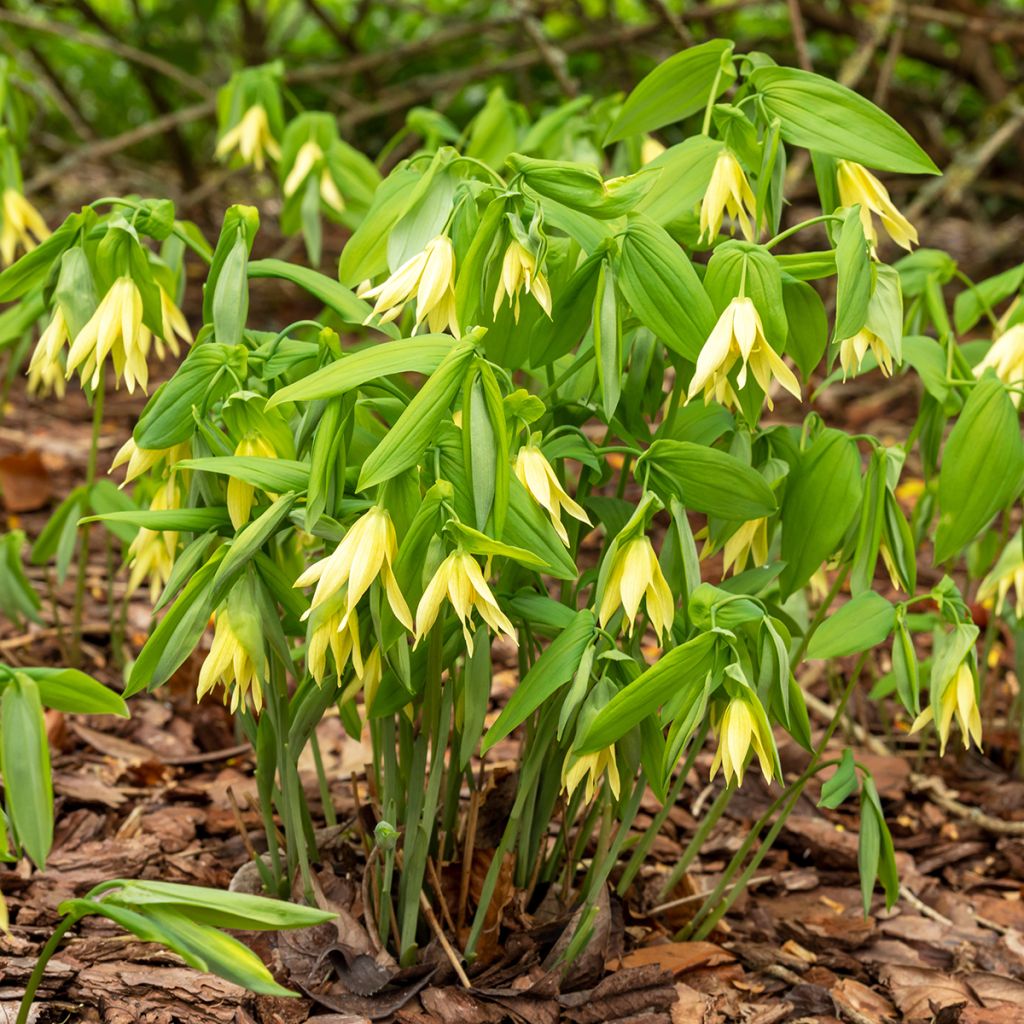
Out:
{"x": 169, "y": 794}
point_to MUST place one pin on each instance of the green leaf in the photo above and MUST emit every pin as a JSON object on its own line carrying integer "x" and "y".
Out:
{"x": 822, "y": 497}
{"x": 971, "y": 304}
{"x": 842, "y": 783}
{"x": 868, "y": 847}
{"x": 32, "y": 268}
{"x": 864, "y": 621}
{"x": 249, "y": 541}
{"x": 201, "y": 379}
{"x": 981, "y": 468}
{"x": 414, "y": 355}
{"x": 739, "y": 267}
{"x": 339, "y": 299}
{"x": 679, "y": 673}
{"x": 74, "y": 692}
{"x": 808, "y": 325}
{"x": 607, "y": 329}
{"x": 231, "y": 295}
{"x": 549, "y": 673}
{"x": 25, "y": 761}
{"x": 403, "y": 445}
{"x": 685, "y": 171}
{"x": 217, "y": 907}
{"x": 268, "y": 474}
{"x": 659, "y": 282}
{"x": 184, "y": 520}
{"x": 179, "y": 631}
{"x": 675, "y": 89}
{"x": 853, "y": 278}
{"x": 708, "y": 480}
{"x": 527, "y": 526}
{"x": 826, "y": 117}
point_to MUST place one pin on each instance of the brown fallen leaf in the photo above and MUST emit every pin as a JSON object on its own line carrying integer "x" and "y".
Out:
{"x": 677, "y": 957}
{"x": 25, "y": 484}
{"x": 855, "y": 998}
{"x": 918, "y": 992}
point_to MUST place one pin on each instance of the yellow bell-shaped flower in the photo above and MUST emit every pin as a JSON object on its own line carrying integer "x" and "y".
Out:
{"x": 859, "y": 187}
{"x": 459, "y": 579}
{"x": 534, "y": 472}
{"x": 739, "y": 337}
{"x": 636, "y": 576}
{"x": 518, "y": 273}
{"x": 739, "y": 730}
{"x": 727, "y": 192}
{"x": 959, "y": 698}
{"x": 429, "y": 278}
{"x": 252, "y": 138}
{"x": 366, "y": 552}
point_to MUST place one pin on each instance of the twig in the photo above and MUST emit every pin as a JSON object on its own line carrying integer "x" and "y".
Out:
{"x": 922, "y": 908}
{"x": 553, "y": 56}
{"x": 971, "y": 160}
{"x": 937, "y": 791}
{"x": 693, "y": 897}
{"x": 674, "y": 22}
{"x": 105, "y": 147}
{"x": 827, "y": 712}
{"x": 435, "y": 925}
{"x": 796, "y": 21}
{"x": 435, "y": 881}
{"x": 129, "y": 53}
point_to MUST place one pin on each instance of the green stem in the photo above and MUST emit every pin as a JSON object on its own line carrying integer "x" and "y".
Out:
{"x": 782, "y": 235}
{"x": 44, "y": 957}
{"x": 639, "y": 854}
{"x": 83, "y": 548}
{"x": 709, "y": 821}
{"x": 705, "y": 128}
{"x": 176, "y": 230}
{"x": 714, "y": 906}
{"x": 330, "y": 818}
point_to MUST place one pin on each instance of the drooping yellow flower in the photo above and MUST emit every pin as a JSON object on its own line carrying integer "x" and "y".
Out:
{"x": 748, "y": 542}
{"x": 307, "y": 158}
{"x": 252, "y": 138}
{"x": 174, "y": 326}
{"x": 22, "y": 226}
{"x": 230, "y": 665}
{"x": 727, "y": 192}
{"x": 591, "y": 767}
{"x": 636, "y": 576}
{"x": 536, "y": 475}
{"x": 959, "y": 697}
{"x": 241, "y": 493}
{"x": 365, "y": 553}
{"x": 858, "y": 186}
{"x": 740, "y": 729}
{"x": 1006, "y": 358}
{"x": 151, "y": 552}
{"x": 1006, "y": 574}
{"x": 429, "y": 278}
{"x": 114, "y": 330}
{"x": 738, "y": 337}
{"x": 459, "y": 578}
{"x": 45, "y": 370}
{"x": 141, "y": 460}
{"x": 519, "y": 272}
{"x": 852, "y": 351}
{"x": 328, "y": 631}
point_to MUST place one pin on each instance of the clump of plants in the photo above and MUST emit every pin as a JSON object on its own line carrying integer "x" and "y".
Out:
{"x": 558, "y": 412}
